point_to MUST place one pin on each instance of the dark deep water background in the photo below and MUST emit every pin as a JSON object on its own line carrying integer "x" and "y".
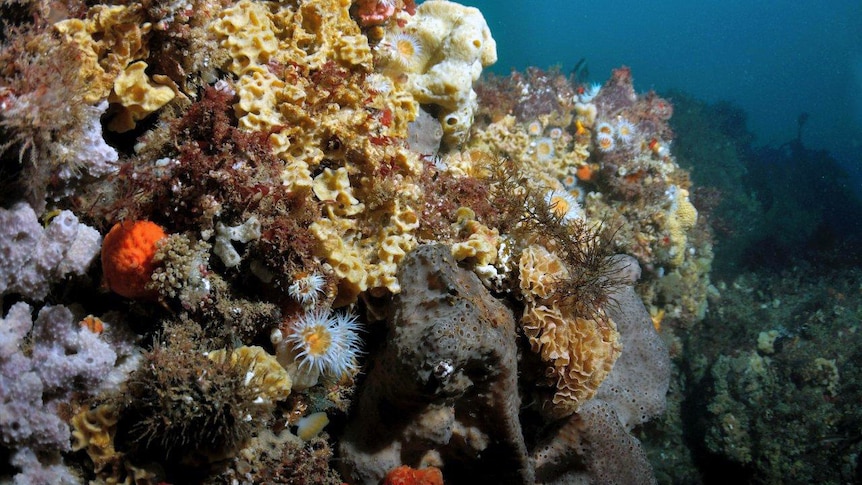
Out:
{"x": 775, "y": 59}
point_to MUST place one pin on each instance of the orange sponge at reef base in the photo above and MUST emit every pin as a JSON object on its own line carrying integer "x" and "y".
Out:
{"x": 127, "y": 257}
{"x": 404, "y": 475}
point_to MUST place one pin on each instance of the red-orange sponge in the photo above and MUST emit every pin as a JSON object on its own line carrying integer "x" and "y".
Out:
{"x": 127, "y": 257}
{"x": 404, "y": 475}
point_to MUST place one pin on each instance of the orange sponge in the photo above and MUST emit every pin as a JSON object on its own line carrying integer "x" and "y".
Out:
{"x": 127, "y": 257}
{"x": 404, "y": 475}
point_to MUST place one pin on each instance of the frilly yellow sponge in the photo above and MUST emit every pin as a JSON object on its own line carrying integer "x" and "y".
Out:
{"x": 112, "y": 40}
{"x": 274, "y": 48}
{"x": 247, "y": 32}
{"x": 539, "y": 272}
{"x": 333, "y": 188}
{"x": 304, "y": 76}
{"x": 368, "y": 263}
{"x": 442, "y": 49}
{"x": 345, "y": 258}
{"x": 391, "y": 251}
{"x": 686, "y": 214}
{"x": 93, "y": 430}
{"x": 263, "y": 372}
{"x": 136, "y": 96}
{"x": 109, "y": 38}
{"x": 319, "y": 31}
{"x": 579, "y": 351}
{"x": 680, "y": 222}
{"x": 258, "y": 91}
{"x": 482, "y": 242}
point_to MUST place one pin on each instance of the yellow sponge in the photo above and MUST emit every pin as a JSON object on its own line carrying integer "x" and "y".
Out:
{"x": 137, "y": 96}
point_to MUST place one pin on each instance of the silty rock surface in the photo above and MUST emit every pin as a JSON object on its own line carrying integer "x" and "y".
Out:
{"x": 443, "y": 392}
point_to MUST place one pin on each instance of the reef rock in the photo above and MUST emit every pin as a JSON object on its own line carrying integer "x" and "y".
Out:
{"x": 443, "y": 392}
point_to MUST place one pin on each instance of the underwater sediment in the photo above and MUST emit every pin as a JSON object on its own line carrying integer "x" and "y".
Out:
{"x": 305, "y": 242}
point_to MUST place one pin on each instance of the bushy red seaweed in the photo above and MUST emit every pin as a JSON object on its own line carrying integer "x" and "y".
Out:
{"x": 208, "y": 167}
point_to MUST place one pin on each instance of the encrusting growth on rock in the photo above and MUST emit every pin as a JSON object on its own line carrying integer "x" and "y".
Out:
{"x": 583, "y": 247}
{"x": 450, "y": 371}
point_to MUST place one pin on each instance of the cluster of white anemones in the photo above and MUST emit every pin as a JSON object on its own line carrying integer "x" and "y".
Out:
{"x": 607, "y": 134}
{"x": 542, "y": 145}
{"x": 320, "y": 341}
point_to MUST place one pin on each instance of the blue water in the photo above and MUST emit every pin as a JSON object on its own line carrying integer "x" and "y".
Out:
{"x": 775, "y": 59}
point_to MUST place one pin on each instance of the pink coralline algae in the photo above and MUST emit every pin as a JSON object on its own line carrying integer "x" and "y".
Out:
{"x": 617, "y": 95}
{"x": 374, "y": 12}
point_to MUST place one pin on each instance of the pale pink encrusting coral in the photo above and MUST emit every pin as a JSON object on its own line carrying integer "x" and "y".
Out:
{"x": 64, "y": 358}
{"x": 32, "y": 257}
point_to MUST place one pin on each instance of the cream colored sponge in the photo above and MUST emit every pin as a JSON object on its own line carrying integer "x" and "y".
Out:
{"x": 452, "y": 45}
